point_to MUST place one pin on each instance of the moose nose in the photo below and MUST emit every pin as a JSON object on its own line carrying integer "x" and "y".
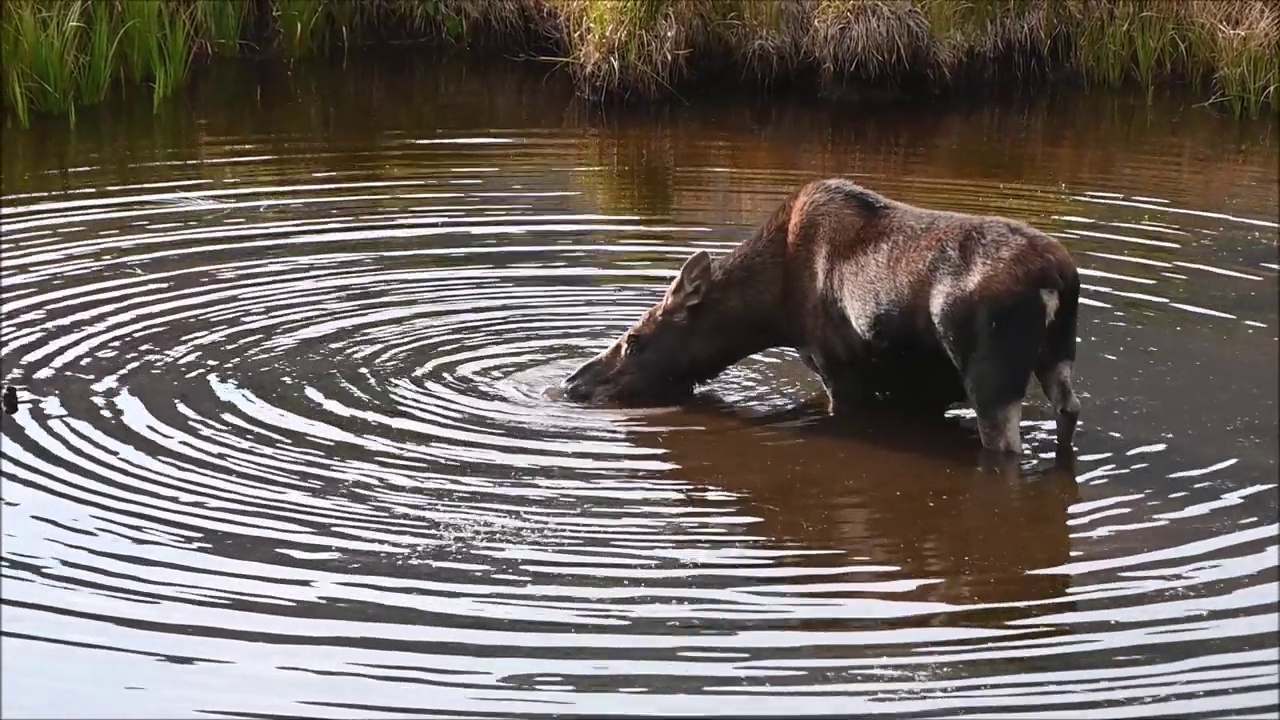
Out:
{"x": 578, "y": 385}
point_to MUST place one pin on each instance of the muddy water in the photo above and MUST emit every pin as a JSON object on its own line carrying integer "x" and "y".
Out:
{"x": 289, "y": 449}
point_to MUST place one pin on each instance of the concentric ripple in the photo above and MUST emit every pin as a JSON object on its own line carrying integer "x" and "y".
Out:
{"x": 294, "y": 432}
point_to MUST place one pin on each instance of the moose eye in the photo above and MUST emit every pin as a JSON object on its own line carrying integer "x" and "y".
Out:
{"x": 634, "y": 344}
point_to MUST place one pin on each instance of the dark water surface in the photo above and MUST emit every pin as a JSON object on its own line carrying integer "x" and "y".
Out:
{"x": 290, "y": 451}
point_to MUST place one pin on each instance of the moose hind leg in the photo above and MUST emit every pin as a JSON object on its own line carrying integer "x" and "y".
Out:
{"x": 1055, "y": 381}
{"x": 1056, "y": 363}
{"x": 996, "y": 352}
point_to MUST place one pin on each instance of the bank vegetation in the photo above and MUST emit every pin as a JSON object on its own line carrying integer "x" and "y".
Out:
{"x": 58, "y": 55}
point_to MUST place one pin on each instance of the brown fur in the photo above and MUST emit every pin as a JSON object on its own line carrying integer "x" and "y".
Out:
{"x": 887, "y": 302}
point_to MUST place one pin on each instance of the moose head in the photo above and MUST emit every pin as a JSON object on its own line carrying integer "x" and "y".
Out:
{"x": 689, "y": 336}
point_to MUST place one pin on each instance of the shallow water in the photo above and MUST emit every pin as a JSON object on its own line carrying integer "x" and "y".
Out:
{"x": 290, "y": 448}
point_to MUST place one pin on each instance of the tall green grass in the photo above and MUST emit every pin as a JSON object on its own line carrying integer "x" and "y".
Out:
{"x": 221, "y": 25}
{"x": 302, "y": 25}
{"x": 62, "y": 54}
{"x": 43, "y": 58}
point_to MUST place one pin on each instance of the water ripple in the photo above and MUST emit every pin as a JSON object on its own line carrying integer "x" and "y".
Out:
{"x": 299, "y": 436}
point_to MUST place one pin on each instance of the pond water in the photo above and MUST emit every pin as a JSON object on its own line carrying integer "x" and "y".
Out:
{"x": 287, "y": 446}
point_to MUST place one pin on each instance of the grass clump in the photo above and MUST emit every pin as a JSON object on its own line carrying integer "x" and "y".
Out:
{"x": 629, "y": 44}
{"x": 1243, "y": 41}
{"x": 41, "y": 51}
{"x": 223, "y": 25}
{"x": 644, "y": 47}
{"x": 59, "y": 54}
{"x": 302, "y": 25}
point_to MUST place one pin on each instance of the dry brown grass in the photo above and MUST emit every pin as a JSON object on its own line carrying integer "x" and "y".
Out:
{"x": 623, "y": 46}
{"x": 874, "y": 41}
{"x": 646, "y": 48}
{"x": 763, "y": 39}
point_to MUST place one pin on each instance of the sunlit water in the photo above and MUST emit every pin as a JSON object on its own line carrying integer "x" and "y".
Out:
{"x": 290, "y": 444}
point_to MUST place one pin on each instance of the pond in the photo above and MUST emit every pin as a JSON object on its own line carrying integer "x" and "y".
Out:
{"x": 287, "y": 446}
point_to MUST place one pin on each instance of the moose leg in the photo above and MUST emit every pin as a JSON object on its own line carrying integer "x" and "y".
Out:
{"x": 922, "y": 384}
{"x": 999, "y": 425}
{"x": 809, "y": 362}
{"x": 1055, "y": 381}
{"x": 846, "y": 390}
{"x": 1055, "y": 364}
{"x": 846, "y": 393}
{"x": 995, "y": 348}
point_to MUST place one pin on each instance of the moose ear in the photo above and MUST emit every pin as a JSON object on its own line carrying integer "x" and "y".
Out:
{"x": 691, "y": 286}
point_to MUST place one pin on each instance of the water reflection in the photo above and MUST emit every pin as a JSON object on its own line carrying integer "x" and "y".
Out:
{"x": 922, "y": 521}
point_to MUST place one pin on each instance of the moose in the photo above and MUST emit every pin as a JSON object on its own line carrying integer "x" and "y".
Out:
{"x": 890, "y": 304}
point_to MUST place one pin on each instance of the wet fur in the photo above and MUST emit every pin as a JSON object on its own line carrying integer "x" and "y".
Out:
{"x": 889, "y": 303}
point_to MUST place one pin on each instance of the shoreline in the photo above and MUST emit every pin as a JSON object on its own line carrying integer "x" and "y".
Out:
{"x": 61, "y": 55}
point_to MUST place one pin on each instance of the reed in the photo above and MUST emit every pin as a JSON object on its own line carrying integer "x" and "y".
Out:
{"x": 13, "y": 71}
{"x": 42, "y": 56}
{"x": 302, "y": 25}
{"x": 61, "y": 54}
{"x": 170, "y": 57}
{"x": 101, "y": 57}
{"x": 222, "y": 25}
{"x": 1244, "y": 44}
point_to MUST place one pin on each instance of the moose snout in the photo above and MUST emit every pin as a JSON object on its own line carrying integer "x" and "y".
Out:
{"x": 581, "y": 384}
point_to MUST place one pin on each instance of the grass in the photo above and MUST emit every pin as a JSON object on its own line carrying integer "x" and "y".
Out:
{"x": 222, "y": 24}
{"x": 648, "y": 48}
{"x": 61, "y": 54}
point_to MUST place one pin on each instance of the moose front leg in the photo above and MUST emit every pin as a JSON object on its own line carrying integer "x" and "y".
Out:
{"x": 810, "y": 363}
{"x": 845, "y": 390}
{"x": 846, "y": 394}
